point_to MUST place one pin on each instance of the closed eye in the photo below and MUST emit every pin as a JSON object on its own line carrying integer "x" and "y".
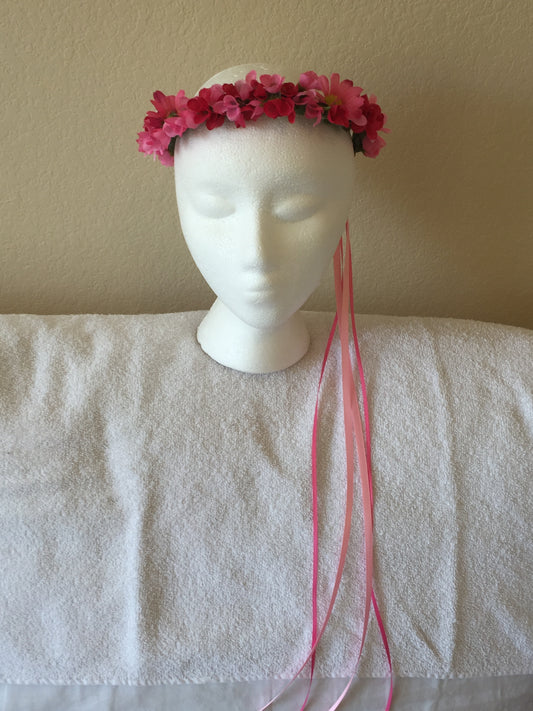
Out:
{"x": 212, "y": 206}
{"x": 296, "y": 207}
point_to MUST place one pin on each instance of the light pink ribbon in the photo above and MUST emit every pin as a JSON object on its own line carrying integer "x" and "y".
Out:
{"x": 353, "y": 429}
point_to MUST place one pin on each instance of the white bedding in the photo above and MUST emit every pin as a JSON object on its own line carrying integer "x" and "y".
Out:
{"x": 155, "y": 505}
{"x": 506, "y": 693}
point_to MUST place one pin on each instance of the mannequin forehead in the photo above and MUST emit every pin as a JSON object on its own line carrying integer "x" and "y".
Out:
{"x": 272, "y": 152}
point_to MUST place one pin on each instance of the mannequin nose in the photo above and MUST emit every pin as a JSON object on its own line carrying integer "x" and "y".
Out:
{"x": 260, "y": 241}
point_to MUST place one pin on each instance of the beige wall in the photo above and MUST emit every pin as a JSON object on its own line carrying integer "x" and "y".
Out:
{"x": 442, "y": 220}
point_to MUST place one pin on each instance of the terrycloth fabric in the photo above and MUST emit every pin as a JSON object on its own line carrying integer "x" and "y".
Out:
{"x": 155, "y": 506}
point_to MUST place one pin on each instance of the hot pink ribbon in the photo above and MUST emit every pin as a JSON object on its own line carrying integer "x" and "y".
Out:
{"x": 353, "y": 429}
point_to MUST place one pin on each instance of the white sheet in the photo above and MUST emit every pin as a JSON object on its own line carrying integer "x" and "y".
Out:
{"x": 156, "y": 509}
{"x": 506, "y": 693}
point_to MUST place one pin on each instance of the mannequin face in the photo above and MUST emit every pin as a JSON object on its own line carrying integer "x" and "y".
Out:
{"x": 262, "y": 210}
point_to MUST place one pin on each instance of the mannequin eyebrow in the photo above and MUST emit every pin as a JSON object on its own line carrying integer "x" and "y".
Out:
{"x": 288, "y": 186}
{"x": 207, "y": 186}
{"x": 298, "y": 187}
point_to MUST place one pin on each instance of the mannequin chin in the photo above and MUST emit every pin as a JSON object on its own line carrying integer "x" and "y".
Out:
{"x": 262, "y": 209}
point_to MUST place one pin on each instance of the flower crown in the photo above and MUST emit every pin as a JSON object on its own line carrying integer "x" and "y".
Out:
{"x": 315, "y": 97}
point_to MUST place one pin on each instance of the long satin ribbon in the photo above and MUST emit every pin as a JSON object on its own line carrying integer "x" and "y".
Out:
{"x": 344, "y": 287}
{"x": 344, "y": 318}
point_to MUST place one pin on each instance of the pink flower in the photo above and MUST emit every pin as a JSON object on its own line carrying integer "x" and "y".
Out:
{"x": 252, "y": 110}
{"x": 212, "y": 94}
{"x": 166, "y": 158}
{"x": 153, "y": 141}
{"x": 314, "y": 111}
{"x": 311, "y": 100}
{"x": 258, "y": 90}
{"x": 177, "y": 125}
{"x": 152, "y": 121}
{"x": 343, "y": 98}
{"x": 349, "y": 94}
{"x": 180, "y": 101}
{"x": 271, "y": 82}
{"x": 230, "y": 107}
{"x": 199, "y": 108}
{"x": 164, "y": 105}
{"x": 374, "y": 117}
{"x": 202, "y": 108}
{"x": 144, "y": 141}
{"x": 371, "y": 148}
{"x": 309, "y": 80}
{"x": 306, "y": 97}
{"x": 344, "y": 94}
{"x": 338, "y": 115}
{"x": 239, "y": 90}
{"x": 229, "y": 90}
{"x": 244, "y": 89}
{"x": 280, "y": 107}
{"x": 168, "y": 105}
{"x": 213, "y": 121}
{"x": 288, "y": 89}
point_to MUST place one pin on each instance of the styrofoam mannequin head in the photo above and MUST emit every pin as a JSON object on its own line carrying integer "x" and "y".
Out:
{"x": 262, "y": 209}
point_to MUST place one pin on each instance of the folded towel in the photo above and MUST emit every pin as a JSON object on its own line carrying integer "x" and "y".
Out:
{"x": 155, "y": 506}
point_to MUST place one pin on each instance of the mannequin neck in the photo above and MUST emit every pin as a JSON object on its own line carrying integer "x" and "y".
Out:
{"x": 237, "y": 345}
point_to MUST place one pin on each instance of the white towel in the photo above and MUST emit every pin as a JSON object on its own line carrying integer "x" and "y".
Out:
{"x": 155, "y": 506}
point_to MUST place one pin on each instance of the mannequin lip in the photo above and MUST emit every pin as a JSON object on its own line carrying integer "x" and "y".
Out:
{"x": 259, "y": 295}
{"x": 260, "y": 287}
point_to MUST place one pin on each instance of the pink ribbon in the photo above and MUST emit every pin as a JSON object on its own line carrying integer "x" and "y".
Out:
{"x": 353, "y": 429}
